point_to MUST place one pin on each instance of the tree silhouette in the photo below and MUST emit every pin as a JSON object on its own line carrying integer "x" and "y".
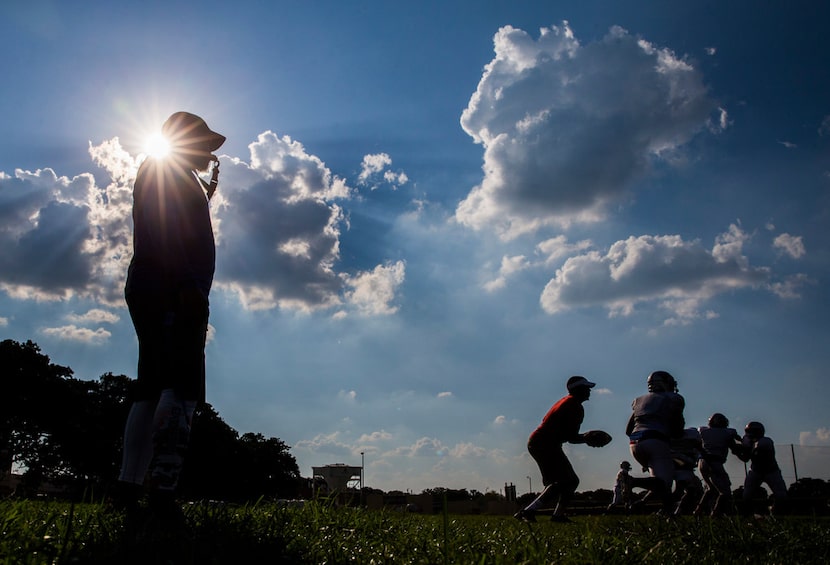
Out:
{"x": 68, "y": 433}
{"x": 209, "y": 466}
{"x": 31, "y": 409}
{"x": 266, "y": 468}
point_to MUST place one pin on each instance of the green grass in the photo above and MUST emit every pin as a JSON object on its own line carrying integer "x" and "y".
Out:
{"x": 48, "y": 532}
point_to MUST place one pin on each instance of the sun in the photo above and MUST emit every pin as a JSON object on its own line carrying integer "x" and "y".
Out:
{"x": 156, "y": 145}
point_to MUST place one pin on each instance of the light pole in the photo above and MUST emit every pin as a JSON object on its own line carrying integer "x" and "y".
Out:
{"x": 529, "y": 484}
{"x": 362, "y": 465}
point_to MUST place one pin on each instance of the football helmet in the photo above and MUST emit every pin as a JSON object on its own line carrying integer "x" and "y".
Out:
{"x": 718, "y": 420}
{"x": 755, "y": 430}
{"x": 661, "y": 381}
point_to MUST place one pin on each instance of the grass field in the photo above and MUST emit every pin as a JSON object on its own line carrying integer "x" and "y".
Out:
{"x": 47, "y": 532}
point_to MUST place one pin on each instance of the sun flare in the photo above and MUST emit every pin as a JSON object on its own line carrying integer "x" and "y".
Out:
{"x": 156, "y": 145}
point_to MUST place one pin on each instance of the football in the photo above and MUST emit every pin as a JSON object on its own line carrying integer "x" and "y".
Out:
{"x": 597, "y": 438}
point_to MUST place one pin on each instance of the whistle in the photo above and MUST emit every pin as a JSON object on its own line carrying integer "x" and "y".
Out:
{"x": 214, "y": 177}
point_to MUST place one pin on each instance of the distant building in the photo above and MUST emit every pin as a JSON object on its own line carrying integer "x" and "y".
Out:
{"x": 339, "y": 477}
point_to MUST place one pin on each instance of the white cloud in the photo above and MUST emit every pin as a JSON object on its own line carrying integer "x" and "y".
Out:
{"x": 374, "y": 166}
{"x": 790, "y": 244}
{"x": 824, "y": 128}
{"x": 469, "y": 450}
{"x": 789, "y": 287}
{"x": 729, "y": 246}
{"x": 788, "y": 144}
{"x": 279, "y": 235}
{"x": 602, "y": 391}
{"x": 371, "y": 293}
{"x": 567, "y": 128}
{"x": 329, "y": 444}
{"x": 381, "y": 435}
{"x": 59, "y": 237}
{"x": 74, "y": 333}
{"x": 94, "y": 316}
{"x": 445, "y": 394}
{"x": 500, "y": 420}
{"x": 722, "y": 122}
{"x": 675, "y": 274}
{"x": 396, "y": 179}
{"x": 349, "y": 396}
{"x": 277, "y": 232}
{"x": 509, "y": 266}
{"x": 296, "y": 175}
{"x": 550, "y": 250}
{"x": 423, "y": 447}
{"x": 3, "y": 322}
{"x": 432, "y": 447}
{"x": 555, "y": 248}
{"x": 821, "y": 437}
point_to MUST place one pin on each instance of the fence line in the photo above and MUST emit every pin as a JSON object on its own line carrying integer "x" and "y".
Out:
{"x": 796, "y": 462}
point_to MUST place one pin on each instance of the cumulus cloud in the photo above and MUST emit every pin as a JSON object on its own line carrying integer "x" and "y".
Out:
{"x": 665, "y": 270}
{"x": 3, "y": 322}
{"x": 445, "y": 394}
{"x": 567, "y": 128}
{"x": 74, "y": 333}
{"x": 423, "y": 447}
{"x": 509, "y": 266}
{"x": 94, "y": 316}
{"x": 373, "y": 164}
{"x": 790, "y": 287}
{"x": 790, "y": 245}
{"x": 500, "y": 420}
{"x": 821, "y": 437}
{"x": 349, "y": 396}
{"x": 279, "y": 235}
{"x": 432, "y": 447}
{"x": 277, "y": 222}
{"x": 557, "y": 247}
{"x": 50, "y": 244}
{"x": 468, "y": 450}
{"x": 326, "y": 443}
{"x": 381, "y": 435}
{"x": 371, "y": 293}
{"x": 375, "y": 167}
{"x": 547, "y": 253}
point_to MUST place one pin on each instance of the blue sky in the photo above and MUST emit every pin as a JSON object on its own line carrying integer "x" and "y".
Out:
{"x": 431, "y": 214}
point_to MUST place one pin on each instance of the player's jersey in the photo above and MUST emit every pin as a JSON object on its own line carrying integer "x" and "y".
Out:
{"x": 763, "y": 456}
{"x": 716, "y": 442}
{"x": 561, "y": 423}
{"x": 686, "y": 449}
{"x": 660, "y": 412}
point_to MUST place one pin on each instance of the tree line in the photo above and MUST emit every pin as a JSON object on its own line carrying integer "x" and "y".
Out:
{"x": 67, "y": 433}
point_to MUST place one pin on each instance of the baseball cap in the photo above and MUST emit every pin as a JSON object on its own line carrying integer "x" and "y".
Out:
{"x": 577, "y": 381}
{"x": 184, "y": 128}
